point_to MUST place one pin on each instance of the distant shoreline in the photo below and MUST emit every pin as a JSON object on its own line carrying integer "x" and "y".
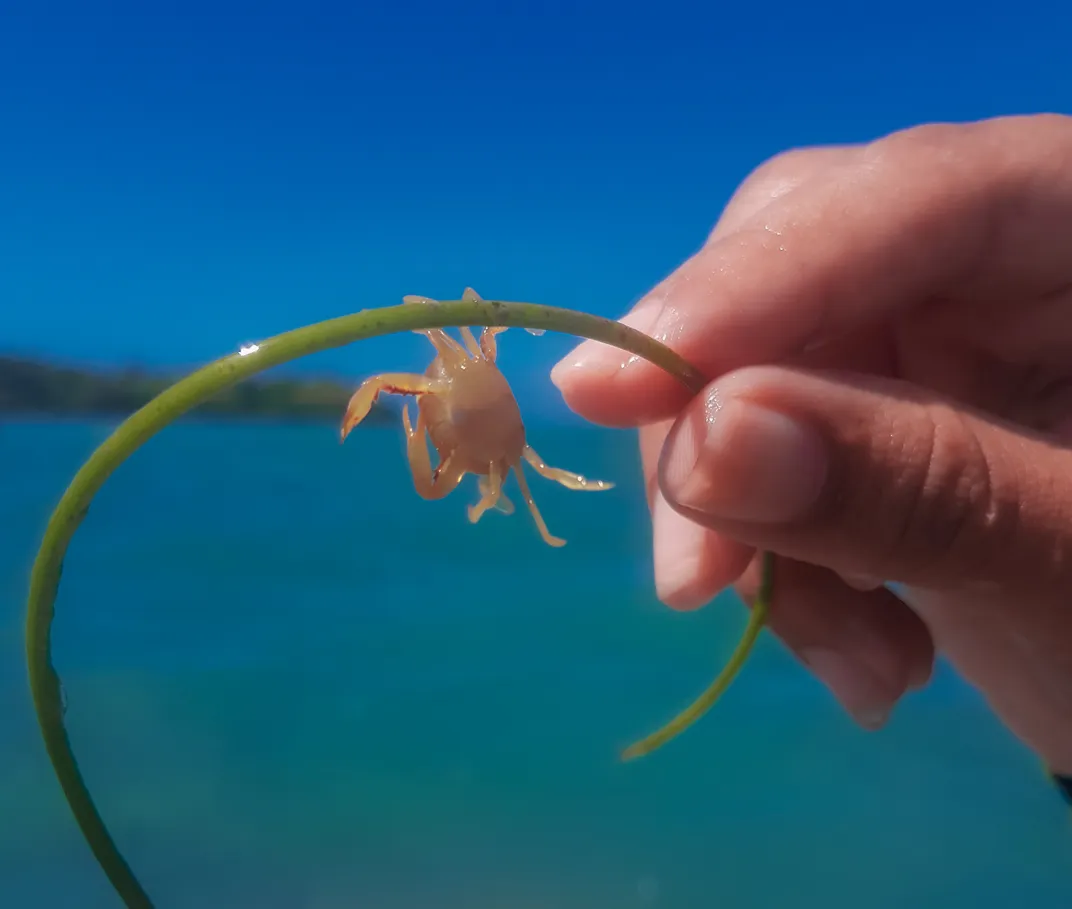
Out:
{"x": 36, "y": 390}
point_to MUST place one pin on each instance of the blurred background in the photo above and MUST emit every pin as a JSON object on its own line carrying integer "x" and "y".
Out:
{"x": 292, "y": 683}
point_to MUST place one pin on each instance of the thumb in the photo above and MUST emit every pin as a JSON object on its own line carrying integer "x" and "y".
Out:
{"x": 873, "y": 478}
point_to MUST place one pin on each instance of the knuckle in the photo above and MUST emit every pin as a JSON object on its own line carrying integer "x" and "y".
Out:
{"x": 933, "y": 141}
{"x": 793, "y": 162}
{"x": 781, "y": 165}
{"x": 782, "y": 173}
{"x": 776, "y": 177}
{"x": 932, "y": 152}
{"x": 941, "y": 509}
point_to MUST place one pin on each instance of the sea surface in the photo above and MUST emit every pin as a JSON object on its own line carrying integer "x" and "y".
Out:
{"x": 293, "y": 684}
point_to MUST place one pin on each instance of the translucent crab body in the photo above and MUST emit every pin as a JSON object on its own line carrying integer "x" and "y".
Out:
{"x": 467, "y": 410}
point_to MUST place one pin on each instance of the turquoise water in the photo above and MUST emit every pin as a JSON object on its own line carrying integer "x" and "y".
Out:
{"x": 292, "y": 683}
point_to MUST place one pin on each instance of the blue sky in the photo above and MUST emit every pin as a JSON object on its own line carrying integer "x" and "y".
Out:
{"x": 180, "y": 177}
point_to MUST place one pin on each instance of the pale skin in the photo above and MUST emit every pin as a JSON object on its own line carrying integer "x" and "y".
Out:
{"x": 887, "y": 330}
{"x": 466, "y": 409}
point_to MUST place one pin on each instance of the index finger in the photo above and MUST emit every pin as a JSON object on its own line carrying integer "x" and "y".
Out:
{"x": 917, "y": 215}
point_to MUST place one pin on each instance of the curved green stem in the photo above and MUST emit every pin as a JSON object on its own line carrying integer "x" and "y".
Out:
{"x": 706, "y": 701}
{"x": 198, "y": 387}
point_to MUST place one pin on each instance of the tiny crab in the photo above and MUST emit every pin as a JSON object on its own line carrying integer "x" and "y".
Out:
{"x": 466, "y": 407}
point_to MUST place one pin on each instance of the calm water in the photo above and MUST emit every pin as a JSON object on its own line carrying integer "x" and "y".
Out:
{"x": 292, "y": 683}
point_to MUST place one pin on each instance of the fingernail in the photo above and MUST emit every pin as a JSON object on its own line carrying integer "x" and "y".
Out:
{"x": 859, "y": 691}
{"x": 594, "y": 358}
{"x": 742, "y": 462}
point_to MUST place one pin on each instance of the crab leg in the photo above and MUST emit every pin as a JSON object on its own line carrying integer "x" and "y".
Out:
{"x": 487, "y": 336}
{"x": 470, "y": 341}
{"x": 491, "y": 491}
{"x": 566, "y": 478}
{"x": 470, "y": 296}
{"x": 449, "y": 349}
{"x": 487, "y": 341}
{"x": 503, "y": 505}
{"x": 430, "y": 484}
{"x": 544, "y": 532}
{"x": 399, "y": 383}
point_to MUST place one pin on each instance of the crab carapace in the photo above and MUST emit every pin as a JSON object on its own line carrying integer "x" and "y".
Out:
{"x": 465, "y": 406}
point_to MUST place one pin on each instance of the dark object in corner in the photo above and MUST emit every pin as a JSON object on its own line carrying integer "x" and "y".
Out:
{"x": 1064, "y": 786}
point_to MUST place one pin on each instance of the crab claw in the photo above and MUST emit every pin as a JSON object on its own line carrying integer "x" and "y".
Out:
{"x": 399, "y": 383}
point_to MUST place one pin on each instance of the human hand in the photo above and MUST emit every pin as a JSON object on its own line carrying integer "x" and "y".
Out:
{"x": 888, "y": 331}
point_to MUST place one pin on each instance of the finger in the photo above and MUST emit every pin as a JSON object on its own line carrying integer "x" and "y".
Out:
{"x": 868, "y": 648}
{"x": 871, "y": 477}
{"x": 776, "y": 178}
{"x": 692, "y": 563}
{"x": 1017, "y": 651}
{"x": 976, "y": 209}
